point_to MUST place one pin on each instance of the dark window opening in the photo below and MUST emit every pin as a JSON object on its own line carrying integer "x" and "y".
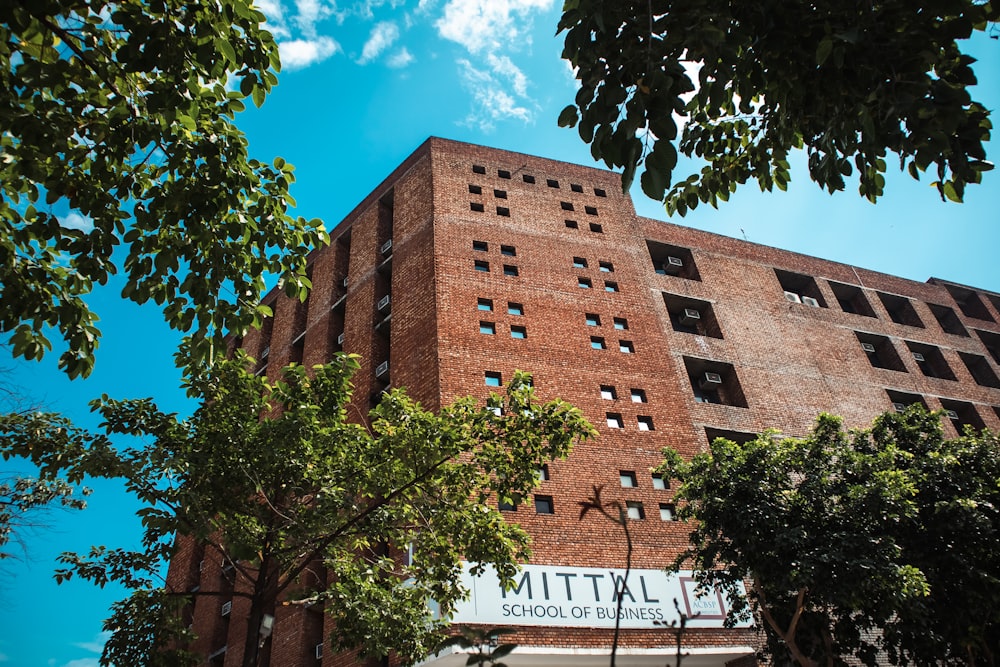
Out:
{"x": 880, "y": 351}
{"x": 504, "y": 211}
{"x": 969, "y": 303}
{"x": 627, "y": 479}
{"x": 714, "y": 382}
{"x": 475, "y": 189}
{"x": 480, "y": 246}
{"x": 544, "y": 505}
{"x": 507, "y": 506}
{"x": 600, "y": 193}
{"x": 739, "y": 437}
{"x": 596, "y": 228}
{"x": 852, "y": 299}
{"x": 528, "y": 178}
{"x": 571, "y": 224}
{"x": 575, "y": 187}
{"x": 900, "y": 310}
{"x": 518, "y": 331}
{"x": 991, "y": 341}
{"x": 590, "y": 210}
{"x": 552, "y": 183}
{"x": 672, "y": 260}
{"x": 477, "y": 207}
{"x": 979, "y": 369}
{"x": 902, "y": 400}
{"x": 480, "y": 265}
{"x": 566, "y": 205}
{"x": 503, "y": 173}
{"x": 962, "y": 414}
{"x": 930, "y": 360}
{"x": 579, "y": 263}
{"x": 508, "y": 250}
{"x": 478, "y": 169}
{"x": 509, "y": 270}
{"x": 500, "y": 194}
{"x": 800, "y": 288}
{"x": 692, "y": 316}
{"x": 948, "y": 320}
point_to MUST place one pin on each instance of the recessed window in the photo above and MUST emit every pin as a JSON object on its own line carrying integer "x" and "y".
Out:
{"x": 608, "y": 392}
{"x": 714, "y": 382}
{"x": 597, "y": 343}
{"x": 481, "y": 265}
{"x": 579, "y": 263}
{"x": 584, "y": 283}
{"x": 638, "y": 395}
{"x": 509, "y": 270}
{"x": 542, "y": 474}
{"x": 571, "y": 224}
{"x": 517, "y": 331}
{"x": 901, "y": 400}
{"x": 493, "y": 379}
{"x": 508, "y": 250}
{"x": 610, "y": 286}
{"x": 606, "y": 267}
{"x": 592, "y": 319}
{"x": 667, "y": 512}
{"x": 566, "y": 205}
{"x": 672, "y": 260}
{"x": 930, "y": 360}
{"x": 969, "y": 302}
{"x": 979, "y": 369}
{"x": 626, "y": 347}
{"x": 991, "y": 341}
{"x": 739, "y": 437}
{"x": 544, "y": 505}
{"x": 627, "y": 479}
{"x": 621, "y": 324}
{"x": 484, "y": 304}
{"x": 660, "y": 483}
{"x": 480, "y": 246}
{"x": 852, "y": 299}
{"x": 634, "y": 510}
{"x": 880, "y": 352}
{"x": 475, "y": 189}
{"x": 961, "y": 414}
{"x": 500, "y": 194}
{"x": 514, "y": 308}
{"x": 575, "y": 187}
{"x": 800, "y": 288}
{"x": 507, "y": 506}
{"x": 488, "y": 328}
{"x": 503, "y": 173}
{"x": 477, "y": 207}
{"x": 590, "y": 210}
{"x": 478, "y": 169}
{"x": 948, "y": 320}
{"x": 900, "y": 310}
{"x": 552, "y": 183}
{"x": 504, "y": 211}
{"x": 614, "y": 420}
{"x": 600, "y": 193}
{"x": 645, "y": 423}
{"x": 528, "y": 178}
{"x": 692, "y": 316}
{"x": 596, "y": 228}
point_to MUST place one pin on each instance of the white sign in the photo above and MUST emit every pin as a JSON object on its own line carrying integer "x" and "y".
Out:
{"x": 550, "y": 595}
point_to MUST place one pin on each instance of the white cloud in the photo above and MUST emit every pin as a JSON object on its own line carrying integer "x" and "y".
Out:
{"x": 299, "y": 53}
{"x": 82, "y": 662}
{"x": 311, "y": 12}
{"x": 275, "y": 13}
{"x": 400, "y": 59}
{"x": 382, "y": 37}
{"x": 488, "y": 25}
{"x": 74, "y": 220}
{"x": 506, "y": 68}
{"x": 492, "y": 102}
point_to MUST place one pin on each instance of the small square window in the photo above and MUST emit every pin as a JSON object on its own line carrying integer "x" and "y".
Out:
{"x": 518, "y": 332}
{"x": 566, "y": 205}
{"x": 509, "y": 270}
{"x": 500, "y": 194}
{"x": 475, "y": 189}
{"x": 508, "y": 250}
{"x": 478, "y": 169}
{"x": 627, "y": 479}
{"x": 579, "y": 263}
{"x": 614, "y": 420}
{"x": 638, "y": 395}
{"x": 584, "y": 283}
{"x": 542, "y": 474}
{"x": 504, "y": 211}
{"x": 590, "y": 210}
{"x": 575, "y": 187}
{"x": 600, "y": 193}
{"x": 493, "y": 379}
{"x": 667, "y": 512}
{"x": 481, "y": 265}
{"x": 487, "y": 328}
{"x": 544, "y": 505}
{"x": 593, "y": 319}
{"x": 507, "y": 506}
{"x": 571, "y": 224}
{"x": 514, "y": 308}
{"x": 503, "y": 173}
{"x": 634, "y": 510}
{"x": 610, "y": 286}
{"x": 621, "y": 324}
{"x": 597, "y": 343}
{"x": 596, "y": 228}
{"x": 607, "y": 267}
{"x": 660, "y": 483}
{"x": 626, "y": 347}
{"x": 608, "y": 392}
{"x": 645, "y": 423}
{"x": 477, "y": 207}
{"x": 480, "y": 246}
{"x": 552, "y": 183}
{"x": 484, "y": 304}
{"x": 528, "y": 178}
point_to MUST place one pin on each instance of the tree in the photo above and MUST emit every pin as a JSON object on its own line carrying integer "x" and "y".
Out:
{"x": 274, "y": 480}
{"x": 118, "y": 130}
{"x": 750, "y": 81}
{"x": 881, "y": 540}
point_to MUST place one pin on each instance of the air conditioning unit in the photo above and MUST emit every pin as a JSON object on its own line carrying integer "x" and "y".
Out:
{"x": 689, "y": 317}
{"x": 918, "y": 356}
{"x": 266, "y": 351}
{"x": 340, "y": 339}
{"x": 382, "y": 369}
{"x": 809, "y": 301}
{"x": 387, "y": 247}
{"x": 673, "y": 265}
{"x": 793, "y": 297}
{"x": 227, "y": 607}
{"x": 319, "y": 651}
{"x": 383, "y": 303}
{"x": 868, "y": 347}
{"x": 344, "y": 281}
{"x": 899, "y": 407}
{"x": 951, "y": 414}
{"x": 711, "y": 381}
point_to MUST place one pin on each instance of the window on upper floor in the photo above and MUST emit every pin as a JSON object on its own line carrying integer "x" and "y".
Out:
{"x": 627, "y": 479}
{"x": 597, "y": 343}
{"x": 645, "y": 423}
{"x": 566, "y": 205}
{"x": 626, "y": 347}
{"x": 660, "y": 483}
{"x": 852, "y": 299}
{"x": 900, "y": 309}
{"x": 638, "y": 395}
{"x": 667, "y": 512}
{"x": 475, "y": 189}
{"x": 481, "y": 265}
{"x": 600, "y": 193}
{"x": 739, "y": 437}
{"x": 517, "y": 331}
{"x": 478, "y": 169}
{"x": 503, "y": 211}
{"x": 515, "y": 308}
{"x": 528, "y": 178}
{"x": 592, "y": 319}
{"x": 508, "y": 251}
{"x": 606, "y": 267}
{"x": 503, "y": 173}
{"x": 880, "y": 351}
{"x": 480, "y": 246}
{"x": 544, "y": 505}
{"x": 969, "y": 302}
{"x": 493, "y": 378}
{"x": 672, "y": 260}
{"x": 692, "y": 316}
{"x": 590, "y": 210}
{"x": 610, "y": 286}
{"x": 507, "y": 506}
{"x": 499, "y": 194}
{"x": 571, "y": 224}
{"x": 621, "y": 323}
{"x": 579, "y": 263}
{"x": 584, "y": 283}
{"x": 962, "y": 414}
{"x": 509, "y": 270}
{"x": 991, "y": 341}
{"x": 979, "y": 369}
{"x": 634, "y": 510}
{"x": 552, "y": 183}
{"x": 930, "y": 360}
{"x": 614, "y": 420}
{"x": 800, "y": 288}
{"x": 576, "y": 187}
{"x": 488, "y": 328}
{"x": 596, "y": 228}
{"x": 714, "y": 382}
{"x": 484, "y": 304}
{"x": 901, "y": 400}
{"x": 608, "y": 392}
{"x": 948, "y": 320}
{"x": 477, "y": 207}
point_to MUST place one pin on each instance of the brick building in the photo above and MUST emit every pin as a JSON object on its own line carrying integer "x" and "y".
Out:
{"x": 467, "y": 263}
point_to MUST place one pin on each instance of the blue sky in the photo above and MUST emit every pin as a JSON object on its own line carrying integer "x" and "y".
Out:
{"x": 363, "y": 85}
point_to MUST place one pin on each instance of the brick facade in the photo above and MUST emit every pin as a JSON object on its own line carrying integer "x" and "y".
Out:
{"x": 494, "y": 261}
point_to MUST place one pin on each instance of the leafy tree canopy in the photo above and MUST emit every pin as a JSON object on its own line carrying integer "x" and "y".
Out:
{"x": 274, "y": 481}
{"x": 747, "y": 82}
{"x": 879, "y": 540}
{"x": 117, "y": 130}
